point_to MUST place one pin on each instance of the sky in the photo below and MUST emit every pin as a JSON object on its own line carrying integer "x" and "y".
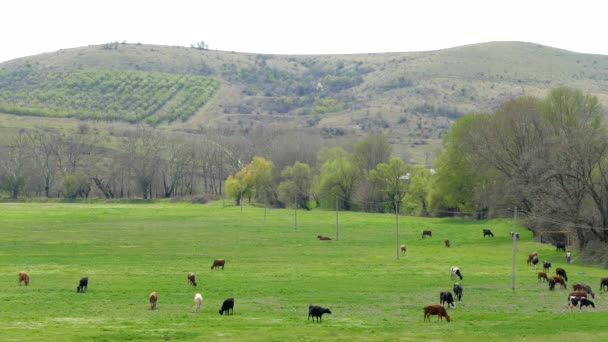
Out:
{"x": 30, "y": 27}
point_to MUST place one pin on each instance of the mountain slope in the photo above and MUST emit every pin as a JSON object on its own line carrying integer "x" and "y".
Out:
{"x": 411, "y": 96}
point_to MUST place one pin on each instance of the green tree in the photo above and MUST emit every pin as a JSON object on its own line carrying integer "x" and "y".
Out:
{"x": 76, "y": 185}
{"x": 296, "y": 185}
{"x": 393, "y": 178}
{"x": 251, "y": 181}
{"x": 339, "y": 177}
{"x": 371, "y": 151}
{"x": 417, "y": 196}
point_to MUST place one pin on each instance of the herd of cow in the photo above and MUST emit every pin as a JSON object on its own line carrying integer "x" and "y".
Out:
{"x": 578, "y": 297}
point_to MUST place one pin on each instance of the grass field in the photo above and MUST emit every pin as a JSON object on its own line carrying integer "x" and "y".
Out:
{"x": 274, "y": 271}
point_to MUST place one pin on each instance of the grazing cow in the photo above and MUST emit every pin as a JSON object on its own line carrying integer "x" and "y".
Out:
{"x": 583, "y": 287}
{"x": 153, "y": 299}
{"x": 435, "y": 309}
{"x": 542, "y": 276}
{"x": 560, "y": 271}
{"x": 603, "y": 283}
{"x": 535, "y": 261}
{"x": 191, "y": 279}
{"x": 403, "y": 249}
{"x": 458, "y": 291}
{"x": 446, "y": 297}
{"x": 530, "y": 257}
{"x": 322, "y": 237}
{"x": 428, "y": 233}
{"x": 25, "y": 278}
{"x": 227, "y": 305}
{"x": 559, "y": 280}
{"x": 218, "y": 263}
{"x": 551, "y": 284}
{"x": 560, "y": 246}
{"x": 487, "y": 232}
{"x": 578, "y": 293}
{"x": 580, "y": 301}
{"x": 198, "y": 300}
{"x": 317, "y": 311}
{"x": 514, "y": 235}
{"x": 455, "y": 272}
{"x": 546, "y": 266}
{"x": 447, "y": 243}
{"x": 82, "y": 285}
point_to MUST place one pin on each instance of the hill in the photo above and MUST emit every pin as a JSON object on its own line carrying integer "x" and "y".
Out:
{"x": 412, "y": 96}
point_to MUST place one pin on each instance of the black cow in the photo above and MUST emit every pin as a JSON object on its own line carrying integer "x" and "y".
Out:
{"x": 535, "y": 261}
{"x": 446, "y": 297}
{"x": 560, "y": 271}
{"x": 487, "y": 232}
{"x": 560, "y": 246}
{"x": 82, "y": 285}
{"x": 428, "y": 233}
{"x": 317, "y": 311}
{"x": 546, "y": 266}
{"x": 514, "y": 235}
{"x": 458, "y": 291}
{"x": 227, "y": 306}
{"x": 580, "y": 301}
{"x": 551, "y": 284}
{"x": 455, "y": 272}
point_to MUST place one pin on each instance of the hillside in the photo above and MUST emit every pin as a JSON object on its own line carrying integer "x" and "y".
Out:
{"x": 412, "y": 96}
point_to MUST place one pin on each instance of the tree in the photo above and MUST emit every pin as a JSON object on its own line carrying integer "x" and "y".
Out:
{"x": 252, "y": 180}
{"x": 44, "y": 146}
{"x": 419, "y": 189}
{"x": 76, "y": 185}
{"x": 393, "y": 178}
{"x": 143, "y": 149}
{"x": 13, "y": 166}
{"x": 372, "y": 150}
{"x": 339, "y": 177}
{"x": 296, "y": 185}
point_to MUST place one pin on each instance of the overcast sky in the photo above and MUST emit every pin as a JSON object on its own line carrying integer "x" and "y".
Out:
{"x": 30, "y": 27}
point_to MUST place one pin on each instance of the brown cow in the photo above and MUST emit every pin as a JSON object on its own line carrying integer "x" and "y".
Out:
{"x": 218, "y": 263}
{"x": 322, "y": 237}
{"x": 559, "y": 280}
{"x": 447, "y": 243}
{"x": 435, "y": 309}
{"x": 603, "y": 283}
{"x": 583, "y": 287}
{"x": 578, "y": 293}
{"x": 542, "y": 276}
{"x": 153, "y": 299}
{"x": 427, "y": 233}
{"x": 530, "y": 257}
{"x": 23, "y": 277}
{"x": 191, "y": 279}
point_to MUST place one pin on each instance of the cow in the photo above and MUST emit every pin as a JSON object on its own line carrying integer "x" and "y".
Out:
{"x": 457, "y": 291}
{"x": 580, "y": 301}
{"x": 153, "y": 299}
{"x": 446, "y": 242}
{"x": 317, "y": 311}
{"x": 551, "y": 284}
{"x": 25, "y": 278}
{"x": 546, "y": 266}
{"x": 323, "y": 237}
{"x": 603, "y": 283}
{"x": 583, "y": 287}
{"x": 560, "y": 246}
{"x": 435, "y": 309}
{"x": 428, "y": 233}
{"x": 542, "y": 276}
{"x": 446, "y": 297}
{"x": 403, "y": 249}
{"x": 191, "y": 279}
{"x": 227, "y": 306}
{"x": 514, "y": 235}
{"x": 217, "y": 263}
{"x": 560, "y": 271}
{"x": 559, "y": 280}
{"x": 82, "y": 285}
{"x": 487, "y": 232}
{"x": 455, "y": 272}
{"x": 535, "y": 261}
{"x": 530, "y": 257}
{"x": 198, "y": 300}
{"x": 577, "y": 293}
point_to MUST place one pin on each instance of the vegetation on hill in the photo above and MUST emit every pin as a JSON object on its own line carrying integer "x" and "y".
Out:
{"x": 132, "y": 96}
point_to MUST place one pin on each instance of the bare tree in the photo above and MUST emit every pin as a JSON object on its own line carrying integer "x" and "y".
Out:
{"x": 44, "y": 145}
{"x": 13, "y": 166}
{"x": 143, "y": 147}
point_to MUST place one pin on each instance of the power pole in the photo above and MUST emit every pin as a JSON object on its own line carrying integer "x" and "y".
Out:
{"x": 397, "y": 224}
{"x": 514, "y": 238}
{"x": 337, "y": 225}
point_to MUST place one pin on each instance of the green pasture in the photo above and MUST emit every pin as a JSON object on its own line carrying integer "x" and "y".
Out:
{"x": 274, "y": 270}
